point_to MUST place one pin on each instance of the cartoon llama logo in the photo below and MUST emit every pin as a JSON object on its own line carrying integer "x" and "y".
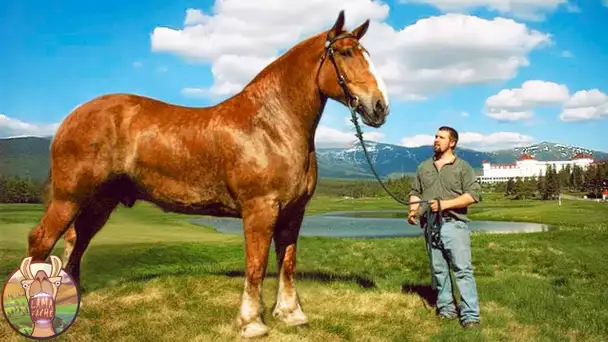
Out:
{"x": 40, "y": 300}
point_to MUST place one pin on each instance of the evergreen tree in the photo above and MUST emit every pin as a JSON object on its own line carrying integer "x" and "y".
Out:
{"x": 590, "y": 179}
{"x": 551, "y": 183}
{"x": 541, "y": 186}
{"x": 567, "y": 176}
{"x": 564, "y": 177}
{"x": 518, "y": 187}
{"x": 576, "y": 178}
{"x": 510, "y": 187}
{"x": 527, "y": 188}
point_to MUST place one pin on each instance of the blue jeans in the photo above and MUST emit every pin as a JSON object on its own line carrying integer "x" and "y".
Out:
{"x": 456, "y": 238}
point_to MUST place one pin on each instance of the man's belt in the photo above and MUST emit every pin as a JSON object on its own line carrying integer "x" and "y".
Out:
{"x": 447, "y": 216}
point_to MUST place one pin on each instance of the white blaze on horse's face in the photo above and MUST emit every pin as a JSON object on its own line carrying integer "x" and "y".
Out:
{"x": 379, "y": 81}
{"x": 368, "y": 87}
{"x": 362, "y": 80}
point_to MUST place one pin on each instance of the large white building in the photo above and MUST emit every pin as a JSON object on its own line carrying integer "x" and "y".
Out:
{"x": 527, "y": 166}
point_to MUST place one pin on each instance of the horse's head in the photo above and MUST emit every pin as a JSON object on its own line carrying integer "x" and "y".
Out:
{"x": 347, "y": 74}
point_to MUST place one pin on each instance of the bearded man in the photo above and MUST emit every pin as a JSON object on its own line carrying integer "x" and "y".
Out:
{"x": 453, "y": 181}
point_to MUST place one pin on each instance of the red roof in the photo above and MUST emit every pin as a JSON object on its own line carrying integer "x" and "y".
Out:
{"x": 581, "y": 156}
{"x": 525, "y": 156}
{"x": 605, "y": 192}
{"x": 485, "y": 162}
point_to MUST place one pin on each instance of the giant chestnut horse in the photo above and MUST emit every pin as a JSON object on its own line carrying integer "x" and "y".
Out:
{"x": 251, "y": 156}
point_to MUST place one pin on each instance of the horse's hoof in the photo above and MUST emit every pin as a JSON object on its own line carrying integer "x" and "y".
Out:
{"x": 296, "y": 317}
{"x": 254, "y": 329}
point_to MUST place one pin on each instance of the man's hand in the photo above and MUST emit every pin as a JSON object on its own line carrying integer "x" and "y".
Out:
{"x": 411, "y": 217}
{"x": 435, "y": 205}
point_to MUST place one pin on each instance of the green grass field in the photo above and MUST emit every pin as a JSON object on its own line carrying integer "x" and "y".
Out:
{"x": 150, "y": 275}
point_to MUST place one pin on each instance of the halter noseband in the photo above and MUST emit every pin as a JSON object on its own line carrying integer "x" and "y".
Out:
{"x": 329, "y": 52}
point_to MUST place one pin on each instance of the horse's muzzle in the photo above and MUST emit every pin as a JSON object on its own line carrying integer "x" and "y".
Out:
{"x": 378, "y": 115}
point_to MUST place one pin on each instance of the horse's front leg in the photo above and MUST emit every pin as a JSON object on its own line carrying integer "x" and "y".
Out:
{"x": 287, "y": 307}
{"x": 259, "y": 220}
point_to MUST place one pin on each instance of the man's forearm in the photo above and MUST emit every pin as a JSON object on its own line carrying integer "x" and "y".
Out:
{"x": 461, "y": 201}
{"x": 415, "y": 206}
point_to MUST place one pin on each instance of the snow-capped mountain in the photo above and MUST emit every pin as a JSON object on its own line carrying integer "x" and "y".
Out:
{"x": 391, "y": 159}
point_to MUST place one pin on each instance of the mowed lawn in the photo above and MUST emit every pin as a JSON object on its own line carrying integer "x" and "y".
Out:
{"x": 150, "y": 275}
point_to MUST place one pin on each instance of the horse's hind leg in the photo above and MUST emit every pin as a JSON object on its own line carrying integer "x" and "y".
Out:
{"x": 89, "y": 221}
{"x": 57, "y": 217}
{"x": 287, "y": 307}
{"x": 69, "y": 239}
{"x": 259, "y": 219}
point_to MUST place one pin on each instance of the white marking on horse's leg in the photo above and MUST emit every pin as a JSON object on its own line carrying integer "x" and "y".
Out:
{"x": 68, "y": 247}
{"x": 250, "y": 306}
{"x": 259, "y": 219}
{"x": 379, "y": 80}
{"x": 249, "y": 320}
{"x": 287, "y": 307}
{"x": 69, "y": 240}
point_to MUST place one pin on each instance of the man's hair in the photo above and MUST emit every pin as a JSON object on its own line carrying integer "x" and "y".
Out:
{"x": 453, "y": 133}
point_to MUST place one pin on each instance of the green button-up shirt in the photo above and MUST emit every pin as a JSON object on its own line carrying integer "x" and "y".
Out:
{"x": 453, "y": 180}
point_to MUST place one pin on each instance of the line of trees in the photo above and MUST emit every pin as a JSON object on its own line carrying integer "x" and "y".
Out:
{"x": 570, "y": 179}
{"x": 15, "y": 189}
{"x": 591, "y": 182}
{"x": 364, "y": 188}
{"x": 573, "y": 179}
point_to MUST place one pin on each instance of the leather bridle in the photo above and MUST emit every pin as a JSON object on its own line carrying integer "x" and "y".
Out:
{"x": 351, "y": 100}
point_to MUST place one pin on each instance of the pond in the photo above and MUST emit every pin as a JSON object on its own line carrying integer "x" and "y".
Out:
{"x": 358, "y": 224}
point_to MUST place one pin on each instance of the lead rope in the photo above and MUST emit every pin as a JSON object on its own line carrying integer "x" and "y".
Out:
{"x": 433, "y": 227}
{"x": 433, "y": 221}
{"x": 359, "y": 135}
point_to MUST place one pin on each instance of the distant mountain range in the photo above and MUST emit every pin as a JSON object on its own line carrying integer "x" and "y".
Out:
{"x": 29, "y": 156}
{"x": 391, "y": 159}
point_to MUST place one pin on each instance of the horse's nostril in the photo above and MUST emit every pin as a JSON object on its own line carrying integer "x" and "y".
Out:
{"x": 380, "y": 106}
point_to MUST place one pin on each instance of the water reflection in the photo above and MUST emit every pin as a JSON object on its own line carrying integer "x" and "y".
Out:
{"x": 351, "y": 224}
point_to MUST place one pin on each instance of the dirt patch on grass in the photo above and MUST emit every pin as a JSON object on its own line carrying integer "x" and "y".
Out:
{"x": 151, "y": 293}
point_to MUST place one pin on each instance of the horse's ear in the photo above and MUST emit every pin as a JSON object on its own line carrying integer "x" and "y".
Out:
{"x": 359, "y": 32}
{"x": 338, "y": 25}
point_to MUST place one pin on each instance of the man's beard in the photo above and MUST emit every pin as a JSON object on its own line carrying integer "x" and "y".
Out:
{"x": 438, "y": 150}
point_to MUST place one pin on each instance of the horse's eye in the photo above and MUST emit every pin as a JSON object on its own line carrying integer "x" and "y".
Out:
{"x": 347, "y": 52}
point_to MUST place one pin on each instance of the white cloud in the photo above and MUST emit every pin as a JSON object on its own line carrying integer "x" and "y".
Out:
{"x": 330, "y": 137}
{"x": 417, "y": 140}
{"x": 10, "y": 127}
{"x": 476, "y": 141}
{"x": 518, "y": 104}
{"x": 430, "y": 55}
{"x": 195, "y": 16}
{"x": 194, "y": 92}
{"x": 585, "y": 105}
{"x": 504, "y": 115}
{"x": 533, "y": 10}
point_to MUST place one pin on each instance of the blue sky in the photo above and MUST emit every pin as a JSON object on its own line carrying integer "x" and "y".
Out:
{"x": 59, "y": 55}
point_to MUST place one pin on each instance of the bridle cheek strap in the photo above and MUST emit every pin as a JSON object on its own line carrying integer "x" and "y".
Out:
{"x": 329, "y": 52}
